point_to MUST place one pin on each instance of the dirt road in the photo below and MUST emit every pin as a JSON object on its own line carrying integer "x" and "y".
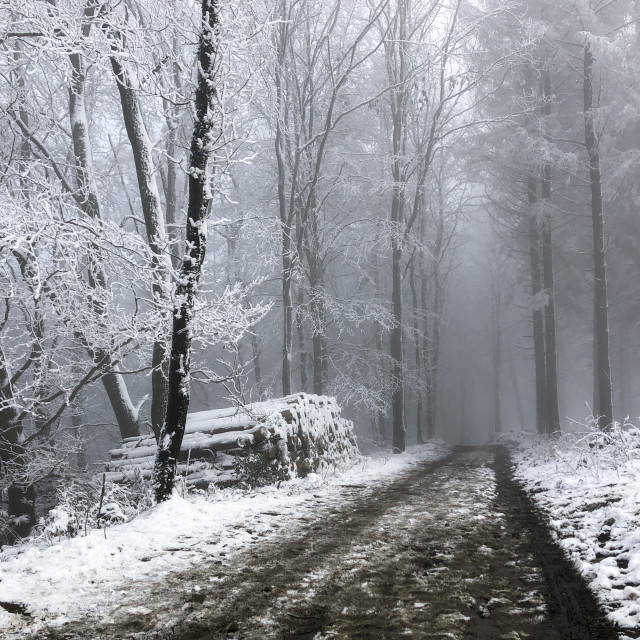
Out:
{"x": 450, "y": 550}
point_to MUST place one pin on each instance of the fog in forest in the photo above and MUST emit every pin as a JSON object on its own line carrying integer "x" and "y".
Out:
{"x": 244, "y": 243}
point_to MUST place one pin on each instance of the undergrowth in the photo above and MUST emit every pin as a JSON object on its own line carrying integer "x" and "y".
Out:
{"x": 586, "y": 449}
{"x": 91, "y": 503}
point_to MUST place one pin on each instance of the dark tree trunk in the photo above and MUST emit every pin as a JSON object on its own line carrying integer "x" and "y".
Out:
{"x": 538, "y": 318}
{"x": 302, "y": 343}
{"x": 397, "y": 373}
{"x": 285, "y": 219}
{"x": 623, "y": 373}
{"x": 21, "y": 496}
{"x": 78, "y": 436}
{"x": 155, "y": 228}
{"x": 205, "y": 126}
{"x": 594, "y": 362}
{"x": 318, "y": 340}
{"x": 604, "y": 410}
{"x": 497, "y": 350}
{"x": 433, "y": 352}
{"x": 381, "y": 417}
{"x": 417, "y": 349}
{"x": 463, "y": 400}
{"x": 516, "y": 388}
{"x": 553, "y": 416}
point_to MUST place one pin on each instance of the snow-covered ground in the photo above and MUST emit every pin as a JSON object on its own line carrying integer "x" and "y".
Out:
{"x": 86, "y": 576}
{"x": 589, "y": 485}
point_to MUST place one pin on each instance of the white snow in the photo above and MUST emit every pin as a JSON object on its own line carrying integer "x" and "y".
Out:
{"x": 589, "y": 485}
{"x": 87, "y": 576}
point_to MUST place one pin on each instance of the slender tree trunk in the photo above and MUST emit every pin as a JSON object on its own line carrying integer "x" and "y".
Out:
{"x": 156, "y": 237}
{"x": 538, "y": 318}
{"x": 206, "y": 127}
{"x": 438, "y": 309}
{"x": 417, "y": 349}
{"x": 463, "y": 400}
{"x": 255, "y": 352}
{"x": 553, "y": 416}
{"x": 397, "y": 373}
{"x": 302, "y": 343}
{"x": 21, "y": 497}
{"x": 76, "y": 423}
{"x": 594, "y": 361}
{"x": 170, "y": 185}
{"x": 516, "y": 388}
{"x": 285, "y": 221}
{"x": 377, "y": 336}
{"x": 318, "y": 341}
{"x": 125, "y": 412}
{"x": 496, "y": 311}
{"x": 623, "y": 373}
{"x": 604, "y": 411}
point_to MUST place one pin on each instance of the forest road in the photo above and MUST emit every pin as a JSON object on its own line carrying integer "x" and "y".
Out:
{"x": 452, "y": 549}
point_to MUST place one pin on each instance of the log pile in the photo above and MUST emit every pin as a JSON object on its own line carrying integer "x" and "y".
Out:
{"x": 291, "y": 436}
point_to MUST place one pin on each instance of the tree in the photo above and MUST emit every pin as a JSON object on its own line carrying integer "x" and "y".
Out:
{"x": 207, "y": 129}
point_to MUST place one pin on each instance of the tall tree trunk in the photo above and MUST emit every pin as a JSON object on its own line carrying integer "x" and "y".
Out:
{"x": 255, "y": 352}
{"x": 381, "y": 417}
{"x": 156, "y": 237}
{"x": 206, "y": 127}
{"x": 438, "y": 309}
{"x": 170, "y": 184}
{"x": 538, "y": 318}
{"x": 623, "y": 373}
{"x": 397, "y": 372}
{"x": 302, "y": 343}
{"x": 396, "y": 72}
{"x": 496, "y": 309}
{"x": 594, "y": 361}
{"x": 285, "y": 218}
{"x": 21, "y": 497}
{"x": 553, "y": 416}
{"x": 87, "y": 197}
{"x": 516, "y": 388}
{"x": 318, "y": 340}
{"x": 463, "y": 400}
{"x": 78, "y": 436}
{"x": 604, "y": 410}
{"x": 417, "y": 348}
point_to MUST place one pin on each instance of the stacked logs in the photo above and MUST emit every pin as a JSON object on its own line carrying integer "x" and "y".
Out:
{"x": 292, "y": 436}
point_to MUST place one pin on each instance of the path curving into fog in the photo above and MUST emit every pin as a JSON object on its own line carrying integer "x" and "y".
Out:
{"x": 451, "y": 549}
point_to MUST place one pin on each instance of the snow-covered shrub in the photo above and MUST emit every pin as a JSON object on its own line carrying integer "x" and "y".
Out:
{"x": 585, "y": 448}
{"x": 86, "y": 504}
{"x": 61, "y": 521}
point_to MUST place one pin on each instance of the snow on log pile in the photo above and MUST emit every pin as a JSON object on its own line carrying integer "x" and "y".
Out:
{"x": 291, "y": 436}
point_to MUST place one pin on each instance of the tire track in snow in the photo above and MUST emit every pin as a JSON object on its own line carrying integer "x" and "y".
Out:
{"x": 444, "y": 551}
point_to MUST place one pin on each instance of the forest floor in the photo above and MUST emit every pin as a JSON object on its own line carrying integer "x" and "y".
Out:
{"x": 451, "y": 548}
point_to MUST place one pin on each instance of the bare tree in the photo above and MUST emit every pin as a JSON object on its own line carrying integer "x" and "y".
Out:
{"x": 206, "y": 131}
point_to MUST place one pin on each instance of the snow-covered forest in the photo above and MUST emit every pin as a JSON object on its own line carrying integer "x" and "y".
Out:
{"x": 262, "y": 259}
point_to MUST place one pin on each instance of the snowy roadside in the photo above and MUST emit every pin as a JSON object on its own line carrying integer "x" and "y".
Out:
{"x": 87, "y": 576}
{"x": 591, "y": 493}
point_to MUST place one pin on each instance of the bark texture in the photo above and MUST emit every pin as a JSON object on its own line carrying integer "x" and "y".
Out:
{"x": 205, "y": 130}
{"x": 604, "y": 410}
{"x": 87, "y": 198}
{"x": 553, "y": 416}
{"x": 155, "y": 228}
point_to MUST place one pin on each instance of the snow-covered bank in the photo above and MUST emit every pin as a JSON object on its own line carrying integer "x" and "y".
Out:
{"x": 589, "y": 485}
{"x": 88, "y": 576}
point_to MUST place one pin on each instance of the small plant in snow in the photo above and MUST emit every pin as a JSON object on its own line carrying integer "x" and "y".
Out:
{"x": 91, "y": 504}
{"x": 255, "y": 470}
{"x": 588, "y": 448}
